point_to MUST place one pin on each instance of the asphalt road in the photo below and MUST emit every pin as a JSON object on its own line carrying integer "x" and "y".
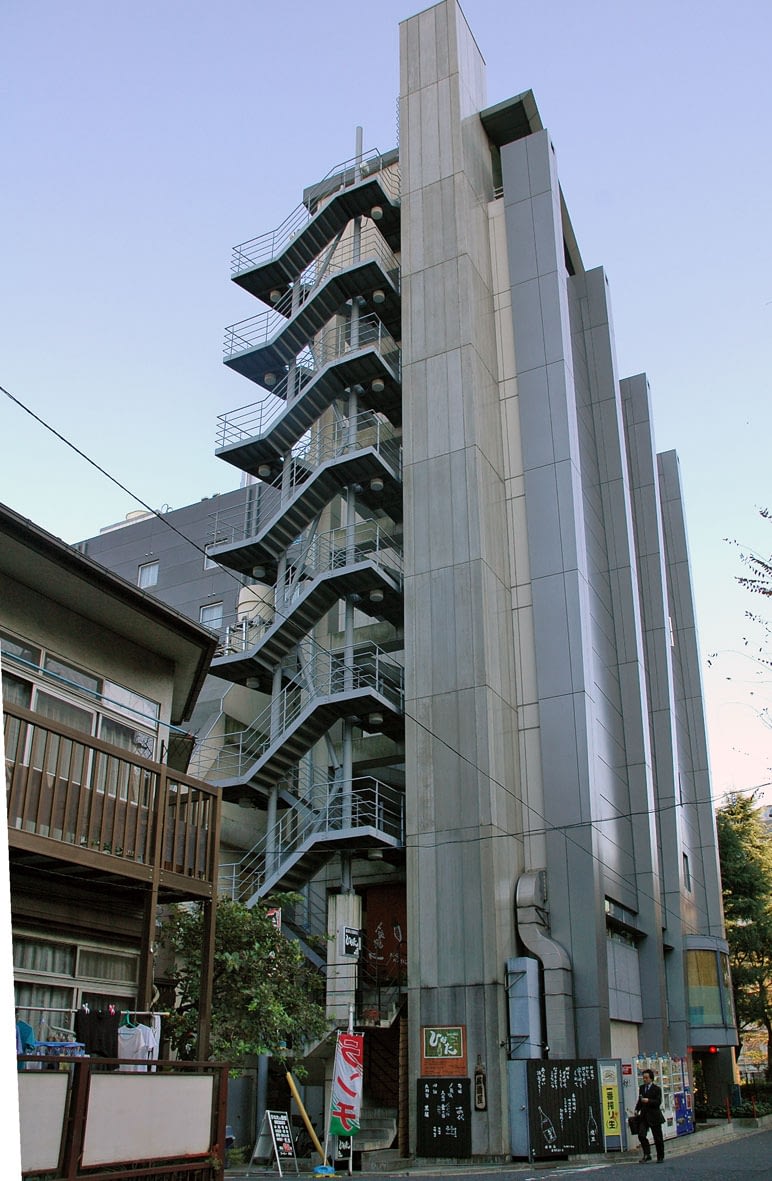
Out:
{"x": 745, "y": 1158}
{"x": 742, "y": 1158}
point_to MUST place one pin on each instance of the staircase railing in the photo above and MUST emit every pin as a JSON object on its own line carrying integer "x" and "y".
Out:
{"x": 323, "y": 674}
{"x": 245, "y": 519}
{"x": 267, "y": 246}
{"x": 243, "y": 630}
{"x": 379, "y": 994}
{"x": 260, "y": 329}
{"x": 369, "y": 804}
{"x": 256, "y": 418}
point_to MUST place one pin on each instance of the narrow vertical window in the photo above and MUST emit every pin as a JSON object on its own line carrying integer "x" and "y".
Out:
{"x": 211, "y": 616}
{"x": 147, "y": 575}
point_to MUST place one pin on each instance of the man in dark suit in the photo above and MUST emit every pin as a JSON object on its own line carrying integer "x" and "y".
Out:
{"x": 649, "y": 1109}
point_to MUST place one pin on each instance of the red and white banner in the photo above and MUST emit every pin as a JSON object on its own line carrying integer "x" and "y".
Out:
{"x": 347, "y": 1084}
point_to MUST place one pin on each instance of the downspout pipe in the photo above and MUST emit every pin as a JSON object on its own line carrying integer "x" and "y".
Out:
{"x": 532, "y": 913}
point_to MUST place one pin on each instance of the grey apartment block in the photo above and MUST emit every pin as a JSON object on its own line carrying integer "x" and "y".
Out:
{"x": 166, "y": 554}
{"x": 467, "y": 605}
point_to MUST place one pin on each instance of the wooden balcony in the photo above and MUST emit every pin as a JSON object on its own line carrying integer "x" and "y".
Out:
{"x": 104, "y": 813}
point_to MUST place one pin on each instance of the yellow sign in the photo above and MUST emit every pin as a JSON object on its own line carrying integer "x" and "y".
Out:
{"x": 611, "y": 1121}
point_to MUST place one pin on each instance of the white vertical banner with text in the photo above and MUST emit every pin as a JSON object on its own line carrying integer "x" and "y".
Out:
{"x": 347, "y": 1074}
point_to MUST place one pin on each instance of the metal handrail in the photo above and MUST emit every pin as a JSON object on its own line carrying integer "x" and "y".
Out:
{"x": 267, "y": 246}
{"x": 262, "y": 328}
{"x": 369, "y": 804}
{"x": 255, "y": 419}
{"x": 244, "y": 629}
{"x": 324, "y": 674}
{"x": 340, "y": 438}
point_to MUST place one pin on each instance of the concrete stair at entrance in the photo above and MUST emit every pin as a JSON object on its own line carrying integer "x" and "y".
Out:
{"x": 377, "y": 1129}
{"x": 386, "y": 1160}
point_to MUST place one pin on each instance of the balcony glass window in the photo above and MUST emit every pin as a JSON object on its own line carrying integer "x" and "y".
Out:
{"x": 12, "y": 646}
{"x": 71, "y": 676}
{"x": 65, "y": 712}
{"x": 139, "y": 742}
{"x": 127, "y": 702}
{"x": 118, "y": 733}
{"x": 16, "y": 691}
{"x": 147, "y": 575}
{"x": 81, "y": 700}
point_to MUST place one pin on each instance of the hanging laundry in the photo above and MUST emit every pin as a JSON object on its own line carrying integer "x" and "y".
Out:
{"x": 98, "y": 1030}
{"x": 138, "y": 1042}
{"x": 25, "y": 1042}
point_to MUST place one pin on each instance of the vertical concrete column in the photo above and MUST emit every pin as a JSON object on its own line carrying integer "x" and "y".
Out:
{"x": 462, "y": 810}
{"x": 345, "y": 910}
{"x": 559, "y": 574}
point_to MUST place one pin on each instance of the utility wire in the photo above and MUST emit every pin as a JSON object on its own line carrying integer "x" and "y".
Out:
{"x": 113, "y": 479}
{"x": 592, "y": 823}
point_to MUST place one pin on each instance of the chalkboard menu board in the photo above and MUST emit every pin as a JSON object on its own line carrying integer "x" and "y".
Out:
{"x": 281, "y": 1134}
{"x": 444, "y": 1117}
{"x": 564, "y": 1113}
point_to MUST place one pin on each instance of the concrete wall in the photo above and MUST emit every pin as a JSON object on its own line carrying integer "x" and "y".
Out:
{"x": 461, "y": 727}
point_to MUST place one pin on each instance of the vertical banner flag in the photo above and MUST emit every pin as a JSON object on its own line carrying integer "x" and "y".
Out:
{"x": 347, "y": 1084}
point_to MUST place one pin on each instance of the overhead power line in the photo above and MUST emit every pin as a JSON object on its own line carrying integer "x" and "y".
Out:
{"x": 565, "y": 830}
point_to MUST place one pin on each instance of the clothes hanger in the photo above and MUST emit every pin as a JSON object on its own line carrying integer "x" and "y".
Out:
{"x": 126, "y": 1021}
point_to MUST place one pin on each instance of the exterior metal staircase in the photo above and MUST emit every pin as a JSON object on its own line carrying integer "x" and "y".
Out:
{"x": 352, "y": 189}
{"x": 262, "y": 432}
{"x": 366, "y": 684}
{"x": 365, "y": 451}
{"x": 366, "y": 562}
{"x": 362, "y": 267}
{"x": 318, "y": 527}
{"x": 369, "y": 814}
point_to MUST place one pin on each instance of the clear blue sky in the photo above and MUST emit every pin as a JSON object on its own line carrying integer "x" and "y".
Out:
{"x": 141, "y": 139}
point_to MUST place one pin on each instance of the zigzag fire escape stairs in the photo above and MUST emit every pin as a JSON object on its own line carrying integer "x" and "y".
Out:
{"x": 318, "y": 531}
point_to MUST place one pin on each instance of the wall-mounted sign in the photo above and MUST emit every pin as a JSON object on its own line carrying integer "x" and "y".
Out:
{"x": 444, "y": 1117}
{"x": 443, "y": 1050}
{"x": 350, "y": 941}
{"x": 563, "y": 1107}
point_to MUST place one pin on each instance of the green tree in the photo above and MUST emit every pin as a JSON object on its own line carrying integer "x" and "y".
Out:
{"x": 745, "y": 851}
{"x": 266, "y": 997}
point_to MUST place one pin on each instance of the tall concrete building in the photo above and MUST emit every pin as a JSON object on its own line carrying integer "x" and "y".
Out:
{"x": 467, "y": 605}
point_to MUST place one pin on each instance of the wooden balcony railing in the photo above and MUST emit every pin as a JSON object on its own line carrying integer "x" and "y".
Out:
{"x": 73, "y": 797}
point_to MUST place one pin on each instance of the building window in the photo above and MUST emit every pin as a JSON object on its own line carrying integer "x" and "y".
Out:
{"x": 73, "y": 678}
{"x": 209, "y": 562}
{"x": 24, "y": 653}
{"x": 147, "y": 575}
{"x": 53, "y": 978}
{"x": 118, "y": 734}
{"x": 56, "y": 709}
{"x": 79, "y": 699}
{"x": 687, "y": 872}
{"x": 709, "y": 985}
{"x": 211, "y": 616}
